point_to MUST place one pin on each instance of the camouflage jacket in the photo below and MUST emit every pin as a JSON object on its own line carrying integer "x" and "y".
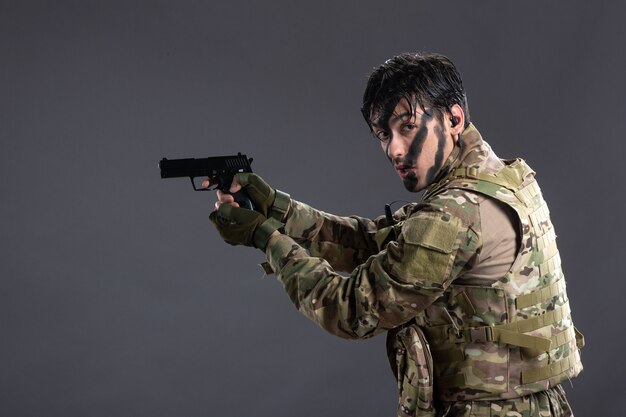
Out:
{"x": 413, "y": 273}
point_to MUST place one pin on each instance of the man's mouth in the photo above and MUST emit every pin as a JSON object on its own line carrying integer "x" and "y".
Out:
{"x": 404, "y": 171}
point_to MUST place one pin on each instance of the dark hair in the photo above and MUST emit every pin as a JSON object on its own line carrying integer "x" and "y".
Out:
{"x": 428, "y": 80}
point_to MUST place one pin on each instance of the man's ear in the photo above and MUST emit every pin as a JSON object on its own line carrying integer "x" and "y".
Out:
{"x": 457, "y": 120}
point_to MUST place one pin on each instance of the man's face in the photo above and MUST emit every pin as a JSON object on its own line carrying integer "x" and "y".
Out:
{"x": 417, "y": 144}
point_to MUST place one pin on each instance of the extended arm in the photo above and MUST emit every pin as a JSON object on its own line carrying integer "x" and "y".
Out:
{"x": 433, "y": 247}
{"x": 345, "y": 242}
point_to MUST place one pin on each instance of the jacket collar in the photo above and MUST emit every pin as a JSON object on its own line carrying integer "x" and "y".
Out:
{"x": 470, "y": 151}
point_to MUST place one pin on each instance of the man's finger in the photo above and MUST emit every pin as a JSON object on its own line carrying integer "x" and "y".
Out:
{"x": 235, "y": 186}
{"x": 219, "y": 203}
{"x": 223, "y": 197}
{"x": 207, "y": 183}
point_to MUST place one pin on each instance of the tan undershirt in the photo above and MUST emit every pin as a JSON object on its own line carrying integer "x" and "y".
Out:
{"x": 500, "y": 242}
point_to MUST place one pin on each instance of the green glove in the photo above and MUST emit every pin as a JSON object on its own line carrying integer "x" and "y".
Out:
{"x": 239, "y": 226}
{"x": 267, "y": 201}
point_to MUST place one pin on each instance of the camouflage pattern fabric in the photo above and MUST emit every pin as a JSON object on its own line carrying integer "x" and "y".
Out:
{"x": 410, "y": 359}
{"x": 385, "y": 291}
{"x": 484, "y": 347}
{"x": 551, "y": 402}
{"x": 513, "y": 336}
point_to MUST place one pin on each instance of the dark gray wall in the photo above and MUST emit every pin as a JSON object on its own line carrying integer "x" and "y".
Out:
{"x": 117, "y": 297}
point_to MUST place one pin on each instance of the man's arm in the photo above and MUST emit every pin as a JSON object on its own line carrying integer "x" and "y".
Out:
{"x": 344, "y": 242}
{"x": 389, "y": 288}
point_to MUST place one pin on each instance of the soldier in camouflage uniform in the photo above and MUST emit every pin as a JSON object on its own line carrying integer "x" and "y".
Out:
{"x": 467, "y": 282}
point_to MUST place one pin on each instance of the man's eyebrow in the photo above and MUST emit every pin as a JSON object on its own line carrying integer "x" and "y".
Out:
{"x": 400, "y": 116}
{"x": 393, "y": 118}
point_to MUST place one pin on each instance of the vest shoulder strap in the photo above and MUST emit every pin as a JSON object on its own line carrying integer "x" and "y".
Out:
{"x": 511, "y": 177}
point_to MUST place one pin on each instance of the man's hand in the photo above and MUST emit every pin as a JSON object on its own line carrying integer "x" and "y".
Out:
{"x": 222, "y": 197}
{"x": 239, "y": 226}
{"x": 266, "y": 200}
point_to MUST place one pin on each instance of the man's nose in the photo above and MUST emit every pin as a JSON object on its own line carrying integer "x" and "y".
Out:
{"x": 396, "y": 148}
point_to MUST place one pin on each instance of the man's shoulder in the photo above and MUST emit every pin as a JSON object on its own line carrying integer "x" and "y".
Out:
{"x": 463, "y": 204}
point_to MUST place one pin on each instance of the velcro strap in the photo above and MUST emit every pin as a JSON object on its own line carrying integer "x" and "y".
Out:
{"x": 263, "y": 232}
{"x": 558, "y": 340}
{"x": 513, "y": 333}
{"x": 551, "y": 370}
{"x": 522, "y": 340}
{"x": 499, "y": 335}
{"x": 541, "y": 295}
{"x": 537, "y": 322}
{"x": 267, "y": 268}
{"x": 503, "y": 333}
{"x": 280, "y": 206}
{"x": 531, "y": 345}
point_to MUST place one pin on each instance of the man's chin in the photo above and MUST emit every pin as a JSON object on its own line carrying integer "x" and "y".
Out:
{"x": 411, "y": 184}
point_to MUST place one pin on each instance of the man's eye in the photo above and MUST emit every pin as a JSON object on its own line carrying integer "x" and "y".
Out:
{"x": 408, "y": 127}
{"x": 382, "y": 136}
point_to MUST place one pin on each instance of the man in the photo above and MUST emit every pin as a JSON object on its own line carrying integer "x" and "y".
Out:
{"x": 467, "y": 282}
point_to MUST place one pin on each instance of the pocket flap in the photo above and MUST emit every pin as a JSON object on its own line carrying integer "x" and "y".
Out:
{"x": 437, "y": 231}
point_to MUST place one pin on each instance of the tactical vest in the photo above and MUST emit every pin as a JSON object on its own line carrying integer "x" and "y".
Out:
{"x": 515, "y": 336}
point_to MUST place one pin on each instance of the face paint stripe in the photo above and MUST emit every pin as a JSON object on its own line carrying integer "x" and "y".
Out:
{"x": 415, "y": 149}
{"x": 441, "y": 143}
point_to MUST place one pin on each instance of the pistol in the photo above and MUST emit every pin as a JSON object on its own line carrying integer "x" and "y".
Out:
{"x": 220, "y": 170}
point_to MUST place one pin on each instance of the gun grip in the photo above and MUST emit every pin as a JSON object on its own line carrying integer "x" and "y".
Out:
{"x": 242, "y": 198}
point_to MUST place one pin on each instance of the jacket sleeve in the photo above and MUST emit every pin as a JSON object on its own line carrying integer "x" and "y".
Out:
{"x": 345, "y": 242}
{"x": 386, "y": 290}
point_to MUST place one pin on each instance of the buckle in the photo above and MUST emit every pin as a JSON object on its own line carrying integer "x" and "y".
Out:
{"x": 472, "y": 172}
{"x": 473, "y": 335}
{"x": 481, "y": 334}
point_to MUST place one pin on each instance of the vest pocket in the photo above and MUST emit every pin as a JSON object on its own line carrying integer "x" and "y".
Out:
{"x": 413, "y": 368}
